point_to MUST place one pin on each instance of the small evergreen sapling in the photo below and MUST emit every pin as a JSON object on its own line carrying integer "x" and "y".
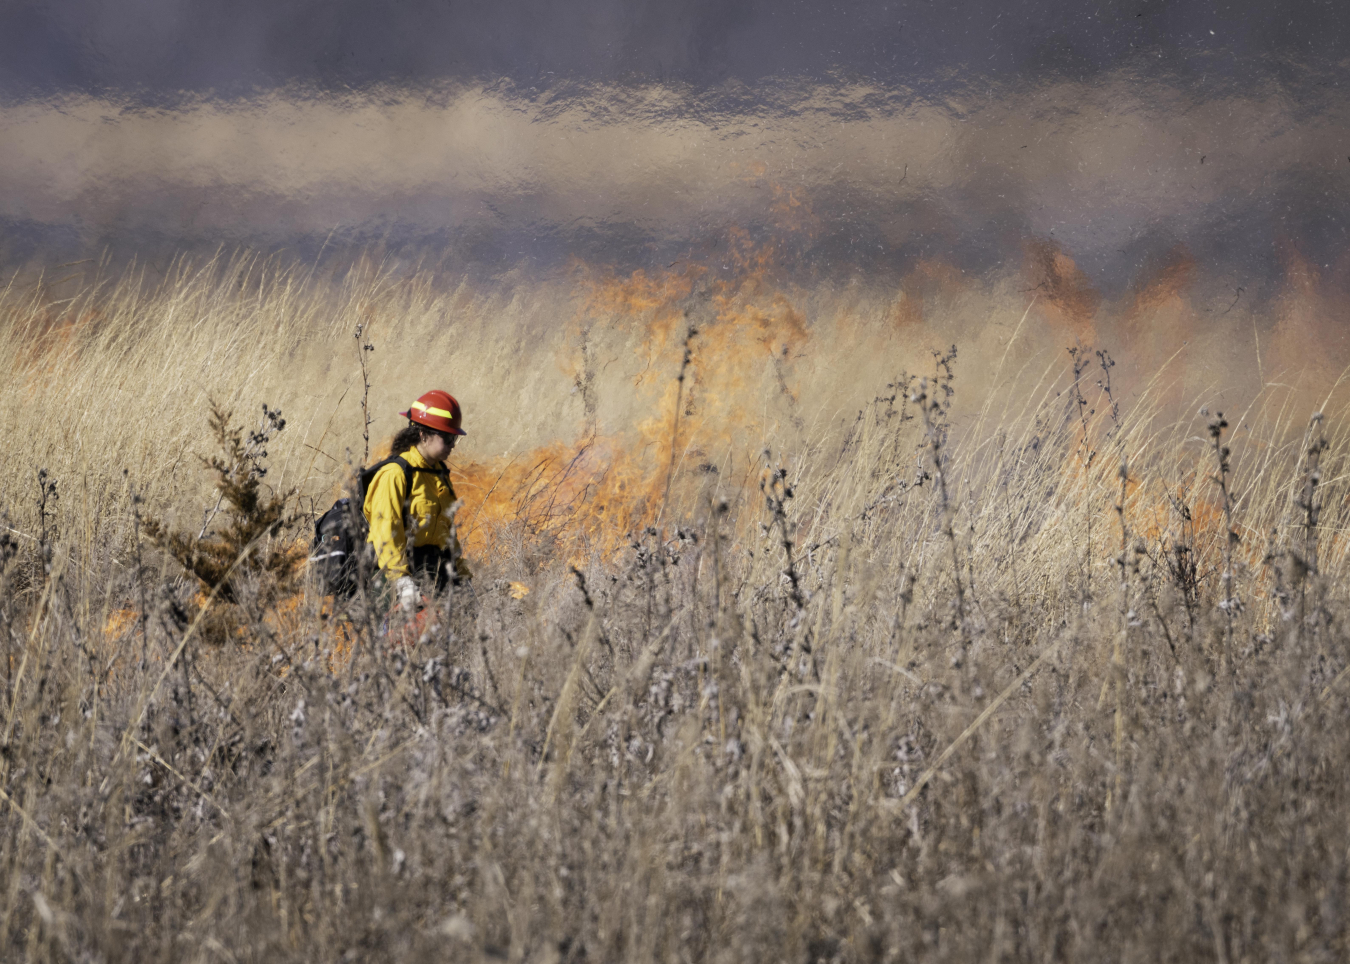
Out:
{"x": 249, "y": 548}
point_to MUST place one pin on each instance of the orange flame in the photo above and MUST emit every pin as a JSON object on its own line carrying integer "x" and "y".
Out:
{"x": 709, "y": 350}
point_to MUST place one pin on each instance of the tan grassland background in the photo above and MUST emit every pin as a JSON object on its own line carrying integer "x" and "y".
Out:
{"x": 787, "y": 641}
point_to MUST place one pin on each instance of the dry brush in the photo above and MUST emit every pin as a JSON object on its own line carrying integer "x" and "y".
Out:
{"x": 1043, "y": 677}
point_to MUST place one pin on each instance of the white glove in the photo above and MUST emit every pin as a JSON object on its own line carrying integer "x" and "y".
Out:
{"x": 408, "y": 596}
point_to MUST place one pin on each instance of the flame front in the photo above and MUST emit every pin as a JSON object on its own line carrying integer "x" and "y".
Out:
{"x": 711, "y": 362}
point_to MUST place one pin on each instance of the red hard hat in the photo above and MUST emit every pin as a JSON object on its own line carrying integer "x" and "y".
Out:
{"x": 437, "y": 409}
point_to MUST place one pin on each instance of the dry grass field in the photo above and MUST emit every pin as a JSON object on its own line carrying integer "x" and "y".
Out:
{"x": 789, "y": 640}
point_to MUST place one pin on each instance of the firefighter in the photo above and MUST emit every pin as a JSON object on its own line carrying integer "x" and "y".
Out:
{"x": 426, "y": 553}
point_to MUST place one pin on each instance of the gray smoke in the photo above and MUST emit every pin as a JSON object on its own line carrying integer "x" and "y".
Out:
{"x": 860, "y": 140}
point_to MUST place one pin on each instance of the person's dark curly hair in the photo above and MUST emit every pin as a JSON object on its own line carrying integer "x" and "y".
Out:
{"x": 407, "y": 438}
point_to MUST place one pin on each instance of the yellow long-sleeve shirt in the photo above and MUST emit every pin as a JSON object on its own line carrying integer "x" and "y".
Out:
{"x": 430, "y": 515}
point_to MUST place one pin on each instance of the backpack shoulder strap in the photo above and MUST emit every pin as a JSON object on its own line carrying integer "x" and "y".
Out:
{"x": 368, "y": 476}
{"x": 407, "y": 487}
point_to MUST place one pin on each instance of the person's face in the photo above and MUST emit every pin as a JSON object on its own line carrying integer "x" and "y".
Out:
{"x": 437, "y": 446}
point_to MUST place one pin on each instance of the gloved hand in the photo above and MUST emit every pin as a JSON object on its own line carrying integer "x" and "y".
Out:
{"x": 408, "y": 595}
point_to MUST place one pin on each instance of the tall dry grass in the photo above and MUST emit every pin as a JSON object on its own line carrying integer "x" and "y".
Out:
{"x": 867, "y": 666}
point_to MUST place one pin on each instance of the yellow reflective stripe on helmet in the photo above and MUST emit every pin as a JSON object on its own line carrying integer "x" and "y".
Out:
{"x": 432, "y": 411}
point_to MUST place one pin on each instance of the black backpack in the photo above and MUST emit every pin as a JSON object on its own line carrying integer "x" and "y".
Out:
{"x": 341, "y": 532}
